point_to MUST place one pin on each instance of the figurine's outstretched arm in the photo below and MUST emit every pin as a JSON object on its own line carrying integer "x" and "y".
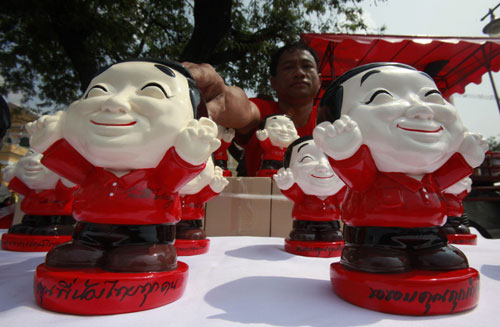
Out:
{"x": 284, "y": 178}
{"x": 473, "y": 148}
{"x": 45, "y": 131}
{"x": 218, "y": 182}
{"x": 463, "y": 185}
{"x": 8, "y": 172}
{"x": 196, "y": 142}
{"x": 340, "y": 139}
{"x": 262, "y": 134}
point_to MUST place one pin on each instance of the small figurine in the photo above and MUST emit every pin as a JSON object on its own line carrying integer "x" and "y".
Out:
{"x": 398, "y": 145}
{"x": 225, "y": 135}
{"x": 456, "y": 226}
{"x": 309, "y": 181}
{"x": 275, "y": 133}
{"x": 131, "y": 143}
{"x": 47, "y": 205}
{"x": 191, "y": 239}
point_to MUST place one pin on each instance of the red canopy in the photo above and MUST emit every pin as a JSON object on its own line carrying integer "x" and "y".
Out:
{"x": 453, "y": 62}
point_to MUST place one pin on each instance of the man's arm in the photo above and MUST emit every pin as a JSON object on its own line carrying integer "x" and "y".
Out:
{"x": 227, "y": 105}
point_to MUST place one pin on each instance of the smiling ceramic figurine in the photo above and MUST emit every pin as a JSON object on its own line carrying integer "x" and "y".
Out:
{"x": 131, "y": 142}
{"x": 226, "y": 136}
{"x": 397, "y": 144}
{"x": 191, "y": 239}
{"x": 309, "y": 181}
{"x": 275, "y": 133}
{"x": 46, "y": 204}
{"x": 456, "y": 225}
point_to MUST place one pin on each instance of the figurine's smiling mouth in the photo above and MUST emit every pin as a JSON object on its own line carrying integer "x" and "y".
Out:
{"x": 421, "y": 130}
{"x": 33, "y": 169}
{"x": 322, "y": 177}
{"x": 109, "y": 124}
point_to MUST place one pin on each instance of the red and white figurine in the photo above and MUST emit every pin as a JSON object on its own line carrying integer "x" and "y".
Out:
{"x": 310, "y": 182}
{"x": 226, "y": 136}
{"x": 131, "y": 143}
{"x": 191, "y": 239}
{"x": 47, "y": 206}
{"x": 275, "y": 133}
{"x": 398, "y": 145}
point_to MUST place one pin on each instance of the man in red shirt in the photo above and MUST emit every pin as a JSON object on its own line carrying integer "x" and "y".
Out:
{"x": 296, "y": 82}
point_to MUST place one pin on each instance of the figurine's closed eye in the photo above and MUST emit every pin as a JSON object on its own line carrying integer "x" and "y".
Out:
{"x": 154, "y": 90}
{"x": 434, "y": 96}
{"x": 306, "y": 159}
{"x": 96, "y": 91}
{"x": 381, "y": 96}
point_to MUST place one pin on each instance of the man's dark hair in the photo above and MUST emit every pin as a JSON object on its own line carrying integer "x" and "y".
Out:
{"x": 275, "y": 57}
{"x": 262, "y": 123}
{"x": 4, "y": 117}
{"x": 197, "y": 100}
{"x": 288, "y": 153}
{"x": 331, "y": 103}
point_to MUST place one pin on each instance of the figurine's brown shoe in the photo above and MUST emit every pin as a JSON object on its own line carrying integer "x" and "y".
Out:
{"x": 74, "y": 255}
{"x": 53, "y": 230}
{"x": 302, "y": 235}
{"x": 20, "y": 229}
{"x": 441, "y": 258}
{"x": 329, "y": 235}
{"x": 141, "y": 258}
{"x": 375, "y": 259}
{"x": 190, "y": 234}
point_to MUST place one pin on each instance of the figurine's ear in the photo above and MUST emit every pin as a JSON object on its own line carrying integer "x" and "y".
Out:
{"x": 197, "y": 100}
{"x": 331, "y": 105}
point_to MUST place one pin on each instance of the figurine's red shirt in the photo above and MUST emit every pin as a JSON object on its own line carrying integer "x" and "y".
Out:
{"x": 221, "y": 152}
{"x": 311, "y": 207}
{"x": 54, "y": 202}
{"x": 141, "y": 197}
{"x": 270, "y": 151}
{"x": 454, "y": 203}
{"x": 193, "y": 205}
{"x": 253, "y": 152}
{"x": 376, "y": 198}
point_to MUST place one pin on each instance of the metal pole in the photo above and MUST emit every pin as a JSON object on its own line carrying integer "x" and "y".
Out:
{"x": 491, "y": 79}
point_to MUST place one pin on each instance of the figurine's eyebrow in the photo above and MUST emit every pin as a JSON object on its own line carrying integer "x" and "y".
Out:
{"x": 365, "y": 76}
{"x": 300, "y": 147}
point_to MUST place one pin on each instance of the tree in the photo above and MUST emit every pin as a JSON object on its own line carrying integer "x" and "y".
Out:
{"x": 51, "y": 50}
{"x": 493, "y": 144}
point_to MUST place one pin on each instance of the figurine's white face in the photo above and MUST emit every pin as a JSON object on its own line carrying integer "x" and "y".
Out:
{"x": 129, "y": 116}
{"x": 201, "y": 180}
{"x": 281, "y": 130}
{"x": 312, "y": 171}
{"x": 35, "y": 175}
{"x": 407, "y": 124}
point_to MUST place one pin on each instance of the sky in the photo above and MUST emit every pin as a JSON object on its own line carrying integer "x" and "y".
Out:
{"x": 476, "y": 106}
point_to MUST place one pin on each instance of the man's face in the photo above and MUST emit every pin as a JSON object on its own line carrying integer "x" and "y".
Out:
{"x": 297, "y": 78}
{"x": 35, "y": 175}
{"x": 281, "y": 130}
{"x": 129, "y": 116}
{"x": 407, "y": 124}
{"x": 312, "y": 171}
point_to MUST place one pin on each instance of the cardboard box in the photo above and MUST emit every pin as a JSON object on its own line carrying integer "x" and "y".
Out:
{"x": 242, "y": 209}
{"x": 281, "y": 213}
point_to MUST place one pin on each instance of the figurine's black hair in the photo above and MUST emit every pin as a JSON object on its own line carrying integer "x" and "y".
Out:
{"x": 262, "y": 123}
{"x": 4, "y": 117}
{"x": 331, "y": 103}
{"x": 288, "y": 153}
{"x": 275, "y": 57}
{"x": 166, "y": 66}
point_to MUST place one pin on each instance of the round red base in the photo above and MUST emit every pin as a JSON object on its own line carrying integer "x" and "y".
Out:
{"x": 98, "y": 292}
{"x": 414, "y": 293}
{"x": 191, "y": 247}
{"x": 32, "y": 243}
{"x": 465, "y": 239}
{"x": 314, "y": 249}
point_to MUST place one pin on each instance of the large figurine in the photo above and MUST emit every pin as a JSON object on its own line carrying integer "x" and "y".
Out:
{"x": 397, "y": 144}
{"x": 275, "y": 133}
{"x": 226, "y": 136}
{"x": 191, "y": 239}
{"x": 309, "y": 181}
{"x": 131, "y": 142}
{"x": 6, "y": 207}
{"x": 456, "y": 226}
{"x": 46, "y": 204}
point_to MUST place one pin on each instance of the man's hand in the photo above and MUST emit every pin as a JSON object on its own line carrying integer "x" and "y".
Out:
{"x": 261, "y": 134}
{"x": 340, "y": 139}
{"x": 473, "y": 148}
{"x": 284, "y": 178}
{"x": 196, "y": 142}
{"x": 45, "y": 131}
{"x": 218, "y": 182}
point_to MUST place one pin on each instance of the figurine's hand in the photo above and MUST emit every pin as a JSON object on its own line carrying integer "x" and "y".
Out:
{"x": 45, "y": 131}
{"x": 340, "y": 139}
{"x": 8, "y": 172}
{"x": 67, "y": 183}
{"x": 473, "y": 148}
{"x": 261, "y": 134}
{"x": 463, "y": 185}
{"x": 284, "y": 178}
{"x": 196, "y": 142}
{"x": 228, "y": 135}
{"x": 218, "y": 182}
